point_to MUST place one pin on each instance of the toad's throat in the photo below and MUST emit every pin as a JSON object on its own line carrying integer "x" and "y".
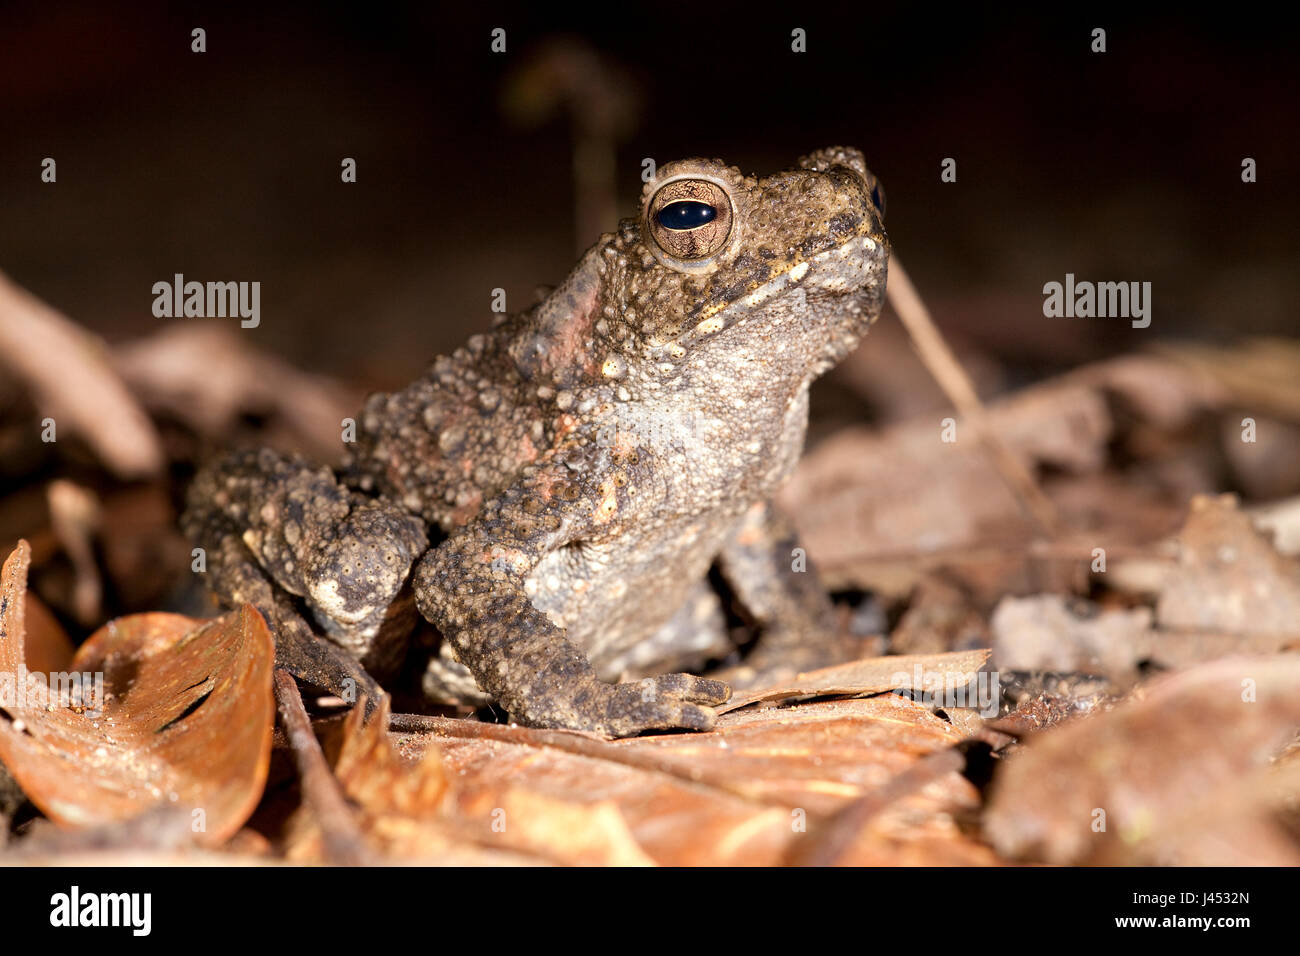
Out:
{"x": 846, "y": 271}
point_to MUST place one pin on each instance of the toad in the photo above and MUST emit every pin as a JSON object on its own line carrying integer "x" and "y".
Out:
{"x": 553, "y": 495}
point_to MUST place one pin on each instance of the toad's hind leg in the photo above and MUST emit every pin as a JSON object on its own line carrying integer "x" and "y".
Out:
{"x": 763, "y": 563}
{"x": 691, "y": 638}
{"x": 448, "y": 681}
{"x": 275, "y": 528}
{"x": 687, "y": 641}
{"x": 236, "y": 577}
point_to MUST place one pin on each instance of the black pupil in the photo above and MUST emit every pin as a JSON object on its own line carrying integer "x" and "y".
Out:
{"x": 686, "y": 214}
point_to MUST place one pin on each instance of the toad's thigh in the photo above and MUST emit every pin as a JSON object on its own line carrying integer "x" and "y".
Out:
{"x": 695, "y": 634}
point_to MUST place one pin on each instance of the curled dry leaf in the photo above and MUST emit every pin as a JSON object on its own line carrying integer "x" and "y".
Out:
{"x": 47, "y": 645}
{"x": 169, "y": 711}
{"x": 1179, "y": 774}
{"x": 375, "y": 776}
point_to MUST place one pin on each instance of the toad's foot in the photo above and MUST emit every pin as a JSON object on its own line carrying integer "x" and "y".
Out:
{"x": 665, "y": 702}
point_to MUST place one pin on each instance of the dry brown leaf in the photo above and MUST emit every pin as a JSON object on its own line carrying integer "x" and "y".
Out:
{"x": 878, "y": 508}
{"x": 1261, "y": 373}
{"x": 874, "y": 675}
{"x": 576, "y": 832}
{"x": 1175, "y": 649}
{"x": 744, "y": 794}
{"x": 47, "y": 645}
{"x": 863, "y": 494}
{"x": 400, "y": 804}
{"x": 373, "y": 774}
{"x": 186, "y": 718}
{"x": 1050, "y": 632}
{"x": 1229, "y": 576}
{"x": 1172, "y": 773}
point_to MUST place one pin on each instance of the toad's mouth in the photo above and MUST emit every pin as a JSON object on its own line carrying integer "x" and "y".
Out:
{"x": 851, "y": 273}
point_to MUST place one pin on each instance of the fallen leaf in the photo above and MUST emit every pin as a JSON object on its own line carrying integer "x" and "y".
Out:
{"x": 208, "y": 376}
{"x": 579, "y": 832}
{"x": 47, "y": 645}
{"x": 400, "y": 804}
{"x": 375, "y": 776}
{"x": 873, "y": 675}
{"x": 1173, "y": 775}
{"x": 1054, "y": 633}
{"x": 744, "y": 794}
{"x": 171, "y": 711}
{"x": 1229, "y": 576}
{"x": 864, "y": 494}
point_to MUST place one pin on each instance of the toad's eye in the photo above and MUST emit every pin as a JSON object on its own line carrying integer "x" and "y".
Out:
{"x": 878, "y": 199}
{"x": 686, "y": 214}
{"x": 689, "y": 222}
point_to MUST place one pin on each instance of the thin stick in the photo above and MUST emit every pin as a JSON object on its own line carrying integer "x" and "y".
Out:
{"x": 344, "y": 843}
{"x": 72, "y": 381}
{"x": 956, "y": 384}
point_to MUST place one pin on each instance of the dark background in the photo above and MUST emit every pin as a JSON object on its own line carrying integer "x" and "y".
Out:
{"x": 225, "y": 165}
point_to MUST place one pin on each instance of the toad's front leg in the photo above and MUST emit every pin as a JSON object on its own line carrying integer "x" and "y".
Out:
{"x": 473, "y": 588}
{"x": 286, "y": 536}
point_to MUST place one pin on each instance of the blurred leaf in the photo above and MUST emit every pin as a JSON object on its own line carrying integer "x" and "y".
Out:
{"x": 1178, "y": 774}
{"x": 1229, "y": 576}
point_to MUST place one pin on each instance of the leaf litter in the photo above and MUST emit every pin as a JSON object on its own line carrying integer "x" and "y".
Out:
{"x": 1145, "y": 708}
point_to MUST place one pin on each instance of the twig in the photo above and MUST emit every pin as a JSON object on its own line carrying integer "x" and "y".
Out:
{"x": 67, "y": 370}
{"x": 956, "y": 384}
{"x": 344, "y": 843}
{"x": 74, "y": 518}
